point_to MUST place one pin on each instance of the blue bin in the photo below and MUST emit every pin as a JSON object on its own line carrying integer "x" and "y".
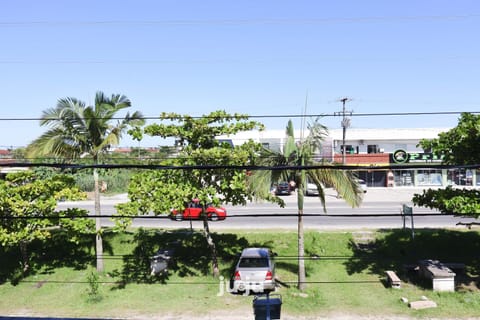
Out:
{"x": 264, "y": 304}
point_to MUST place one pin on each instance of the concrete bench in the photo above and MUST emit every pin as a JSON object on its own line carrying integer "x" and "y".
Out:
{"x": 443, "y": 278}
{"x": 393, "y": 279}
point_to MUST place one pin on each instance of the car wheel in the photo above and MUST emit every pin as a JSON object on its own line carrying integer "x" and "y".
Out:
{"x": 179, "y": 217}
{"x": 214, "y": 217}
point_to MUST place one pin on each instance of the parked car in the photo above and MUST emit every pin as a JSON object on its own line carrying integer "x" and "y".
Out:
{"x": 311, "y": 189}
{"x": 254, "y": 271}
{"x": 193, "y": 211}
{"x": 363, "y": 185}
{"x": 283, "y": 188}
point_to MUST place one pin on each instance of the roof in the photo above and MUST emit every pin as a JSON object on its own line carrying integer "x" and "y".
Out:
{"x": 387, "y": 133}
{"x": 255, "y": 252}
{"x": 4, "y": 152}
{"x": 351, "y": 134}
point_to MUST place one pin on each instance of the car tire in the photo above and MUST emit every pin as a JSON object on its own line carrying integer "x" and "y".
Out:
{"x": 179, "y": 217}
{"x": 214, "y": 217}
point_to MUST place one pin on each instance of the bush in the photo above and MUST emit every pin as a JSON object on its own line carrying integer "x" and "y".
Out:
{"x": 93, "y": 287}
{"x": 116, "y": 180}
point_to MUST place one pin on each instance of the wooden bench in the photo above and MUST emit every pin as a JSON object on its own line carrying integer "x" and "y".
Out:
{"x": 393, "y": 279}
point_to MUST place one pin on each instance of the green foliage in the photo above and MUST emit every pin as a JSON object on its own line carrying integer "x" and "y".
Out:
{"x": 93, "y": 287}
{"x": 450, "y": 200}
{"x": 26, "y": 203}
{"x": 161, "y": 190}
{"x": 117, "y": 180}
{"x": 344, "y": 279}
{"x": 18, "y": 153}
{"x": 201, "y": 132}
{"x": 77, "y": 129}
{"x": 458, "y": 146}
{"x": 45, "y": 172}
{"x": 301, "y": 153}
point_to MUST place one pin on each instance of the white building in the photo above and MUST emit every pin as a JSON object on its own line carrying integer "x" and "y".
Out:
{"x": 376, "y": 147}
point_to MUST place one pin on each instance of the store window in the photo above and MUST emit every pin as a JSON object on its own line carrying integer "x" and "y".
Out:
{"x": 403, "y": 178}
{"x": 429, "y": 177}
{"x": 460, "y": 177}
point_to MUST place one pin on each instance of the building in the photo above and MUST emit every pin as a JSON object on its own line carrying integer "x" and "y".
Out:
{"x": 6, "y": 159}
{"x": 390, "y": 146}
{"x": 378, "y": 147}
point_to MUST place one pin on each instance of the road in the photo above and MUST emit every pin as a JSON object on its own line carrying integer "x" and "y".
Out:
{"x": 385, "y": 203}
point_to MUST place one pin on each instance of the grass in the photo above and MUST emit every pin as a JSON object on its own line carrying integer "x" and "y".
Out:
{"x": 345, "y": 272}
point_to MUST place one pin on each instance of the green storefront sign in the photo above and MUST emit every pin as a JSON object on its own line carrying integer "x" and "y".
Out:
{"x": 401, "y": 157}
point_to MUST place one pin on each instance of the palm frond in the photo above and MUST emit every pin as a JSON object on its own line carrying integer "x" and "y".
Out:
{"x": 260, "y": 183}
{"x": 313, "y": 177}
{"x": 54, "y": 142}
{"x": 344, "y": 182}
{"x": 77, "y": 129}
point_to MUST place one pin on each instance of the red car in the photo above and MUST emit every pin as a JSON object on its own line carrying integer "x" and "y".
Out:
{"x": 194, "y": 211}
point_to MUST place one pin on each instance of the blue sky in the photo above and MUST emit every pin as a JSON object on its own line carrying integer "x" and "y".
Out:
{"x": 254, "y": 57}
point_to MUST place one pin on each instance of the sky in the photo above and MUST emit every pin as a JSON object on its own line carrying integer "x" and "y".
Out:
{"x": 272, "y": 59}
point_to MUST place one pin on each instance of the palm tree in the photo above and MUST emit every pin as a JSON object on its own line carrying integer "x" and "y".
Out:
{"x": 77, "y": 130}
{"x": 302, "y": 154}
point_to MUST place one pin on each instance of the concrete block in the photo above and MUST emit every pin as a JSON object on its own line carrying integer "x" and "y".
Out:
{"x": 417, "y": 305}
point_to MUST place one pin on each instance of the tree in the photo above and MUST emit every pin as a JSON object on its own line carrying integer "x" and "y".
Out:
{"x": 301, "y": 153}
{"x": 458, "y": 146}
{"x": 161, "y": 190}
{"x": 28, "y": 210}
{"x": 77, "y": 130}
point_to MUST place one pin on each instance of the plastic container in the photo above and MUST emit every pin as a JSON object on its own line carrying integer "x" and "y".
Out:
{"x": 263, "y": 305}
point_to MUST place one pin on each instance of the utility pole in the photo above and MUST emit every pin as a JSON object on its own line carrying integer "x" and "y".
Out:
{"x": 345, "y": 124}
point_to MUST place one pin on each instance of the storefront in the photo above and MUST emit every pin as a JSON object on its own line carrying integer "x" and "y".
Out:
{"x": 403, "y": 178}
{"x": 374, "y": 178}
{"x": 429, "y": 177}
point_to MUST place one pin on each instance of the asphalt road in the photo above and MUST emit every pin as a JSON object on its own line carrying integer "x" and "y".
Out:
{"x": 381, "y": 208}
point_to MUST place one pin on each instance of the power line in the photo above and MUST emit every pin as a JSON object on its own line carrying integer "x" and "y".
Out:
{"x": 196, "y": 283}
{"x": 210, "y": 60}
{"x": 263, "y": 215}
{"x": 241, "y": 167}
{"x": 251, "y": 21}
{"x": 335, "y": 114}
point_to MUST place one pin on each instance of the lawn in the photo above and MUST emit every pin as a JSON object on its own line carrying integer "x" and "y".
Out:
{"x": 345, "y": 275}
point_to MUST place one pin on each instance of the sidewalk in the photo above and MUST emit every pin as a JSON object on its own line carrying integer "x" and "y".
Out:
{"x": 379, "y": 194}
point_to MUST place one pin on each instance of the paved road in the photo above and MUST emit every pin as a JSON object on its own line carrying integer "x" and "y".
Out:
{"x": 377, "y": 201}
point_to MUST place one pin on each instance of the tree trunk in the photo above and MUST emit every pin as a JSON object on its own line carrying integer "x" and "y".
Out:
{"x": 301, "y": 253}
{"x": 24, "y": 253}
{"x": 98, "y": 223}
{"x": 301, "y": 245}
{"x": 211, "y": 244}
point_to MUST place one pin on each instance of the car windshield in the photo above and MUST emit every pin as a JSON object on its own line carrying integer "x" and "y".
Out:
{"x": 253, "y": 262}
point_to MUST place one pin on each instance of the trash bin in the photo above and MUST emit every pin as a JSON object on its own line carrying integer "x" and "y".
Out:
{"x": 266, "y": 304}
{"x": 160, "y": 261}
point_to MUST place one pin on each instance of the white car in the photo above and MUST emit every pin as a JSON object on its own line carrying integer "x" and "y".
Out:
{"x": 311, "y": 189}
{"x": 363, "y": 185}
{"x": 255, "y": 271}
